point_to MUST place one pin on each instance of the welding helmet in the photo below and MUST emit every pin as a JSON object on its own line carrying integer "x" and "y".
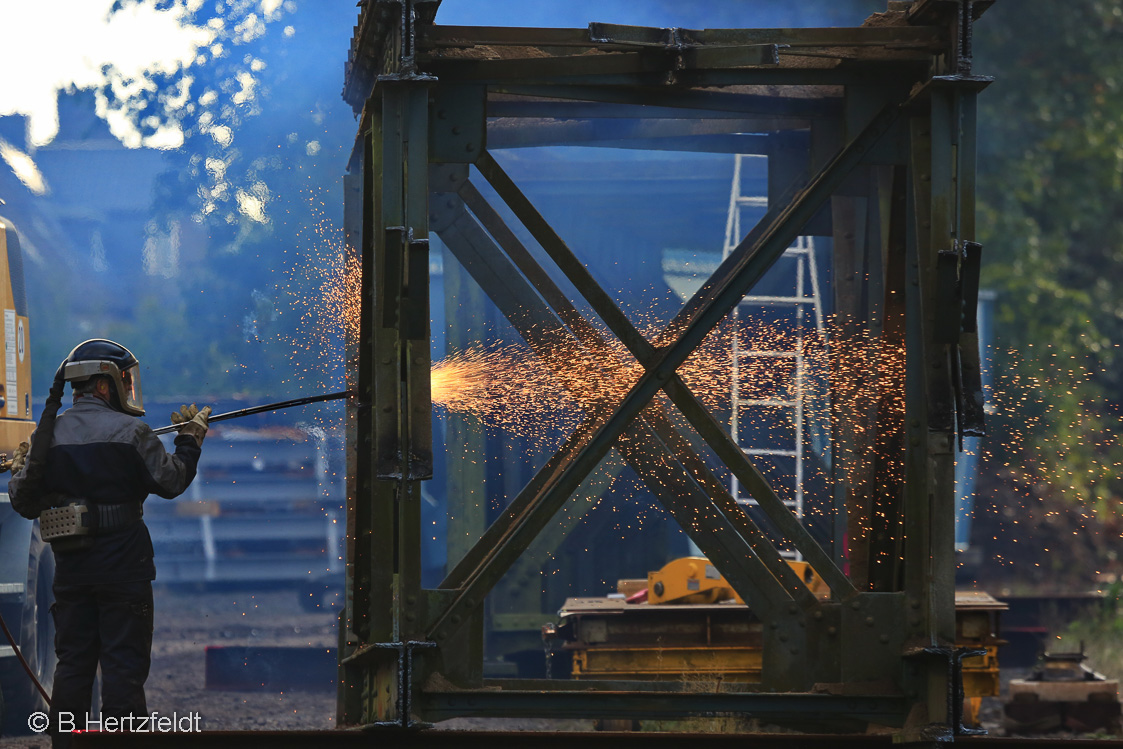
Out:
{"x": 99, "y": 356}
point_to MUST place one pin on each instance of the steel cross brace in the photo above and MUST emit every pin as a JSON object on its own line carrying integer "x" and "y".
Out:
{"x": 699, "y": 417}
{"x": 645, "y": 449}
{"x": 708, "y": 307}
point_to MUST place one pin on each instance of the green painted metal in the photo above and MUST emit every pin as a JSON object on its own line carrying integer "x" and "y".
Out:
{"x": 621, "y": 326}
{"x": 898, "y": 174}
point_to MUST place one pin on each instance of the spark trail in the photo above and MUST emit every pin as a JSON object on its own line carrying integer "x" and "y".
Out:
{"x": 1051, "y": 457}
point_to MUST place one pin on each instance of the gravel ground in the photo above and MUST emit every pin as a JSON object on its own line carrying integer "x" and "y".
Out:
{"x": 188, "y": 621}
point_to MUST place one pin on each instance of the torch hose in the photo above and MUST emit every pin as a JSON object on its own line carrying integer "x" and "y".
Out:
{"x": 262, "y": 409}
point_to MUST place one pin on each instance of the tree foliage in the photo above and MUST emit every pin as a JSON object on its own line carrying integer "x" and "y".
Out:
{"x": 1051, "y": 198}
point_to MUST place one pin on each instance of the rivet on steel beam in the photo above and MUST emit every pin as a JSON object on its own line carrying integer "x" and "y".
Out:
{"x": 456, "y": 130}
{"x": 783, "y": 638}
{"x": 832, "y": 630}
{"x": 818, "y": 616}
{"x": 856, "y": 605}
{"x": 469, "y": 147}
{"x": 869, "y": 621}
{"x": 915, "y": 442}
{"x": 915, "y": 603}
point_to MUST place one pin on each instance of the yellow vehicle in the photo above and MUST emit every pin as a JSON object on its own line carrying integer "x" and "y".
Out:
{"x": 26, "y": 563}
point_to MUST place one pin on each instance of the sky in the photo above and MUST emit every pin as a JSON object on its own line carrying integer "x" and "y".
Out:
{"x": 140, "y": 59}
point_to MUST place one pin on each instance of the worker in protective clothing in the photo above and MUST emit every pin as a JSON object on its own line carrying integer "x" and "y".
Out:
{"x": 86, "y": 475}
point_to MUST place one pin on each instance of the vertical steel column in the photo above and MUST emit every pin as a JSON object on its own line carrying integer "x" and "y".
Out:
{"x": 930, "y": 397}
{"x": 394, "y": 442}
{"x": 349, "y": 704}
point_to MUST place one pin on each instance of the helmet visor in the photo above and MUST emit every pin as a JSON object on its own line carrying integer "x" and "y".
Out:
{"x": 131, "y": 397}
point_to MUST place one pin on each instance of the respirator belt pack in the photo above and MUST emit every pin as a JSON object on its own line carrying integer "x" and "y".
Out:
{"x": 75, "y": 524}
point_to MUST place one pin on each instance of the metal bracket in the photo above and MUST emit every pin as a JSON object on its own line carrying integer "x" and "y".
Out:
{"x": 684, "y": 47}
{"x": 405, "y": 682}
{"x": 969, "y": 274}
{"x": 949, "y": 298}
{"x": 955, "y": 694}
{"x": 970, "y": 405}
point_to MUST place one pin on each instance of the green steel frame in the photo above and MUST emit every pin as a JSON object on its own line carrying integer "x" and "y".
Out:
{"x": 890, "y": 108}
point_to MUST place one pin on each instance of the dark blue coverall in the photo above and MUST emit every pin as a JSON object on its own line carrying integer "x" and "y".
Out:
{"x": 103, "y": 594}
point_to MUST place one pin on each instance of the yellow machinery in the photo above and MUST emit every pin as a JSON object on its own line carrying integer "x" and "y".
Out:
{"x": 691, "y": 626}
{"x": 15, "y": 383}
{"x": 695, "y": 580}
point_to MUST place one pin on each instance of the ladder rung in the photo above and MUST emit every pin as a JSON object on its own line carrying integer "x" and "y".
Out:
{"x": 768, "y": 354}
{"x": 749, "y": 501}
{"x": 777, "y": 300}
{"x": 768, "y": 452}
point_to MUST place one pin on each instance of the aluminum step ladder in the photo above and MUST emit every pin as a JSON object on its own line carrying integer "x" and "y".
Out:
{"x": 750, "y": 413}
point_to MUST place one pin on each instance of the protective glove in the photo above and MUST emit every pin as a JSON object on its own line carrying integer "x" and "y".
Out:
{"x": 20, "y": 458}
{"x": 194, "y": 421}
{"x": 15, "y": 465}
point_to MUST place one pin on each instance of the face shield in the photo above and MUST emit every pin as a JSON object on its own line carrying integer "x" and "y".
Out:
{"x": 126, "y": 383}
{"x": 128, "y": 388}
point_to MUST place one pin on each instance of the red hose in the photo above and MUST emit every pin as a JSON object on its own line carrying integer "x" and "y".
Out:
{"x": 23, "y": 661}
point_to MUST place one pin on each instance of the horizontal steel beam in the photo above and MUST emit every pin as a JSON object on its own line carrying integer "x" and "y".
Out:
{"x": 814, "y": 100}
{"x": 624, "y": 701}
{"x": 614, "y": 36}
{"x": 599, "y": 66}
{"x": 747, "y": 106}
{"x": 525, "y": 133}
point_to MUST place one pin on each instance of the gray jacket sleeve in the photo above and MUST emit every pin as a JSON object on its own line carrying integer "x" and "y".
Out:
{"x": 169, "y": 474}
{"x": 22, "y": 502}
